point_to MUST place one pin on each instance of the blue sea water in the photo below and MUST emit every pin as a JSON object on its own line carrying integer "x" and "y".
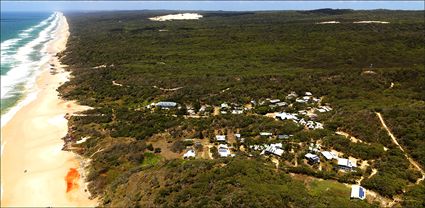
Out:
{"x": 24, "y": 37}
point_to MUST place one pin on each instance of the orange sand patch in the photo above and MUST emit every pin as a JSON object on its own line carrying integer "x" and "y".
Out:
{"x": 72, "y": 179}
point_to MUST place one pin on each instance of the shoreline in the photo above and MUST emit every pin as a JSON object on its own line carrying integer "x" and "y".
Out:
{"x": 35, "y": 169}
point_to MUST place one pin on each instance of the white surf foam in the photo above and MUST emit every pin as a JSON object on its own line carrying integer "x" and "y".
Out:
{"x": 11, "y": 43}
{"x": 22, "y": 66}
{"x": 26, "y": 71}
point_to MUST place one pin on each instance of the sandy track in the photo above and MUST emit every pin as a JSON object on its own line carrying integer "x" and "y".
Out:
{"x": 394, "y": 139}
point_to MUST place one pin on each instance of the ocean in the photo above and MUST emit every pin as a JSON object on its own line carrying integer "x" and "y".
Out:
{"x": 24, "y": 38}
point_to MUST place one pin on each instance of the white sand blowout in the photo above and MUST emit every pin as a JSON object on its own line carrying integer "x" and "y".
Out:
{"x": 181, "y": 16}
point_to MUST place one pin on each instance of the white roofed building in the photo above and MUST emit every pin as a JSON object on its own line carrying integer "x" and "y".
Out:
{"x": 223, "y": 150}
{"x": 190, "y": 153}
{"x": 220, "y": 138}
{"x": 166, "y": 104}
{"x": 329, "y": 155}
{"x": 312, "y": 158}
{"x": 346, "y": 164}
{"x": 358, "y": 192}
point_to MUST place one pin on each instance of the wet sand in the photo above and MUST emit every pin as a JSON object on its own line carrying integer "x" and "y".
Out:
{"x": 34, "y": 169}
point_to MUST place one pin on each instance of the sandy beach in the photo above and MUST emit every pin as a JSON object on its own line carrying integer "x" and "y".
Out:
{"x": 34, "y": 169}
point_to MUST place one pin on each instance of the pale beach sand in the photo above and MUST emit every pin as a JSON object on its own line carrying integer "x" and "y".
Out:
{"x": 33, "y": 166}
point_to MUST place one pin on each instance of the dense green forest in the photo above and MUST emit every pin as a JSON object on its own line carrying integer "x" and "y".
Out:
{"x": 122, "y": 61}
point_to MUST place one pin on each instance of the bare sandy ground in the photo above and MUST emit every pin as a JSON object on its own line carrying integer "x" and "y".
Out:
{"x": 371, "y": 22}
{"x": 33, "y": 166}
{"x": 183, "y": 16}
{"x": 328, "y": 22}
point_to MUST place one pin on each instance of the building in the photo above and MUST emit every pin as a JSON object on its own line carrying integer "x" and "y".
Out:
{"x": 224, "y": 106}
{"x": 274, "y": 149}
{"x": 358, "y": 192}
{"x": 312, "y": 158}
{"x": 308, "y": 94}
{"x": 306, "y": 98}
{"x": 220, "y": 138}
{"x": 166, "y": 105}
{"x": 266, "y": 134}
{"x": 286, "y": 116}
{"x": 282, "y": 136}
{"x": 238, "y": 136}
{"x": 237, "y": 111}
{"x": 298, "y": 100}
{"x": 329, "y": 155}
{"x": 346, "y": 164}
{"x": 223, "y": 150}
{"x": 274, "y": 101}
{"x": 190, "y": 153}
{"x": 281, "y": 104}
{"x": 291, "y": 95}
{"x": 314, "y": 148}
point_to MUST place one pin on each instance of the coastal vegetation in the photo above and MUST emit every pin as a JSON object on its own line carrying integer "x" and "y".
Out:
{"x": 121, "y": 62}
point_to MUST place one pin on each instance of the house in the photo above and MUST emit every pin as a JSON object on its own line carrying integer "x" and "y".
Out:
{"x": 166, "y": 105}
{"x": 306, "y": 98}
{"x": 274, "y": 101}
{"x": 274, "y": 149}
{"x": 329, "y": 155}
{"x": 298, "y": 100}
{"x": 224, "y": 106}
{"x": 321, "y": 110}
{"x": 286, "y": 116}
{"x": 313, "y": 116}
{"x": 237, "y": 111}
{"x": 220, "y": 138}
{"x": 316, "y": 100}
{"x": 308, "y": 94}
{"x": 346, "y": 164}
{"x": 302, "y": 112}
{"x": 358, "y": 192}
{"x": 312, "y": 158}
{"x": 314, "y": 147}
{"x": 266, "y": 134}
{"x": 282, "y": 136}
{"x": 281, "y": 104}
{"x": 238, "y": 136}
{"x": 190, "y": 153}
{"x": 291, "y": 95}
{"x": 191, "y": 111}
{"x": 223, "y": 150}
{"x": 313, "y": 125}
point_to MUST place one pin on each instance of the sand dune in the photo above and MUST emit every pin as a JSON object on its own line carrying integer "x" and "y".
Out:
{"x": 34, "y": 168}
{"x": 182, "y": 16}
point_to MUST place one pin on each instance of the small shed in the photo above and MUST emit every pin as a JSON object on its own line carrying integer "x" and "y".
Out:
{"x": 358, "y": 192}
